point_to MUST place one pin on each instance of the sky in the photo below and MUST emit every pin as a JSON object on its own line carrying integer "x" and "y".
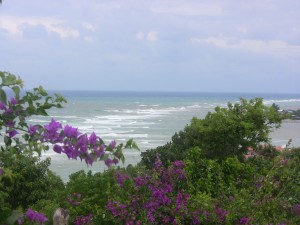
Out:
{"x": 153, "y": 45}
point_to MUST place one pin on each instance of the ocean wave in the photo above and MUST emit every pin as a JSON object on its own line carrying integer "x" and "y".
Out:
{"x": 194, "y": 106}
{"x": 38, "y": 121}
{"x": 67, "y": 117}
{"x": 123, "y": 135}
{"x": 271, "y": 101}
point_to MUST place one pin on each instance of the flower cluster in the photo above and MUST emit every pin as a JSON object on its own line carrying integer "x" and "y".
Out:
{"x": 154, "y": 196}
{"x": 121, "y": 178}
{"x": 84, "y": 220}
{"x": 70, "y": 141}
{"x": 65, "y": 139}
{"x": 35, "y": 217}
{"x": 158, "y": 198}
{"x": 8, "y": 114}
{"x": 74, "y": 198}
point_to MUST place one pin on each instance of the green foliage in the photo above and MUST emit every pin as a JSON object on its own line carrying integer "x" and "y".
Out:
{"x": 94, "y": 190}
{"x": 170, "y": 152}
{"x": 221, "y": 187}
{"x": 18, "y": 108}
{"x": 31, "y": 180}
{"x": 227, "y": 132}
{"x": 213, "y": 177}
{"x": 231, "y": 131}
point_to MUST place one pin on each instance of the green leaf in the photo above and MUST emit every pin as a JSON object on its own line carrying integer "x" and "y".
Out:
{"x": 3, "y": 97}
{"x": 60, "y": 98}
{"x": 12, "y": 219}
{"x": 42, "y": 91}
{"x": 9, "y": 79}
{"x": 123, "y": 159}
{"x": 131, "y": 144}
{"x": 7, "y": 140}
{"x": 16, "y": 89}
{"x": 42, "y": 112}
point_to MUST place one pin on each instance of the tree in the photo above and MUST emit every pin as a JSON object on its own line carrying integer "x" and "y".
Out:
{"x": 231, "y": 131}
{"x": 223, "y": 133}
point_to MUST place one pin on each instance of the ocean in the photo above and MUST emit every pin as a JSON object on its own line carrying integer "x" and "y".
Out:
{"x": 150, "y": 118}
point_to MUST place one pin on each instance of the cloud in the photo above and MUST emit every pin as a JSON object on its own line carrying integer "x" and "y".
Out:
{"x": 89, "y": 39}
{"x": 185, "y": 8}
{"x": 275, "y": 47}
{"x": 140, "y": 35}
{"x": 16, "y": 26}
{"x": 151, "y": 36}
{"x": 89, "y": 27}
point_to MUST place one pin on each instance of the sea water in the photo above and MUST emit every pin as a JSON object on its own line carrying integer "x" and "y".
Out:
{"x": 150, "y": 118}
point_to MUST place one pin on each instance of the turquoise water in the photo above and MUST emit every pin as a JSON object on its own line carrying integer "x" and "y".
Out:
{"x": 149, "y": 118}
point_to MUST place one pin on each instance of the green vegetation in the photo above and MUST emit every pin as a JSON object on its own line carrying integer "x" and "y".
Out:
{"x": 227, "y": 132}
{"x": 201, "y": 177}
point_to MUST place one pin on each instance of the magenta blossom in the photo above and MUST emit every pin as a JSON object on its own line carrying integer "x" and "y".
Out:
{"x": 12, "y": 133}
{"x": 13, "y": 101}
{"x": 36, "y": 217}
{"x": 2, "y": 106}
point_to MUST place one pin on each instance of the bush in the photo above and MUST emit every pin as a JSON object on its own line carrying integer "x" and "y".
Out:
{"x": 31, "y": 180}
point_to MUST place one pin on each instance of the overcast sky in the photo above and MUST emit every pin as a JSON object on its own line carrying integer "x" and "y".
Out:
{"x": 153, "y": 45}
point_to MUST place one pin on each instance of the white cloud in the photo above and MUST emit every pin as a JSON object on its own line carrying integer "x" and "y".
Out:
{"x": 185, "y": 8}
{"x": 15, "y": 26}
{"x": 242, "y": 30}
{"x": 151, "y": 36}
{"x": 89, "y": 39}
{"x": 140, "y": 35}
{"x": 89, "y": 27}
{"x": 275, "y": 47}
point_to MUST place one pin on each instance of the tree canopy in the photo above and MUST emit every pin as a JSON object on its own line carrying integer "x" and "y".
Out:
{"x": 223, "y": 133}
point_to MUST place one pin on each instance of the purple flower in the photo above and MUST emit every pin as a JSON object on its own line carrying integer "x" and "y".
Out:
{"x": 230, "y": 198}
{"x": 83, "y": 143}
{"x": 71, "y": 132}
{"x": 157, "y": 163}
{"x": 89, "y": 160}
{"x": 8, "y": 111}
{"x": 115, "y": 161}
{"x": 53, "y": 125}
{"x": 93, "y": 139}
{"x": 140, "y": 181}
{"x": 13, "y": 101}
{"x": 179, "y": 163}
{"x": 244, "y": 220}
{"x": 84, "y": 220}
{"x": 12, "y": 133}
{"x": 2, "y": 106}
{"x": 10, "y": 123}
{"x": 1, "y": 171}
{"x": 108, "y": 162}
{"x": 34, "y": 216}
{"x": 32, "y": 130}
{"x": 20, "y": 221}
{"x": 121, "y": 178}
{"x": 99, "y": 152}
{"x": 221, "y": 214}
{"x": 113, "y": 144}
{"x": 57, "y": 149}
{"x": 51, "y": 132}
{"x": 297, "y": 209}
{"x": 150, "y": 217}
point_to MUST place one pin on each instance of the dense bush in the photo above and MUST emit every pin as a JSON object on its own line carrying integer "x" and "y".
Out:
{"x": 226, "y": 132}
